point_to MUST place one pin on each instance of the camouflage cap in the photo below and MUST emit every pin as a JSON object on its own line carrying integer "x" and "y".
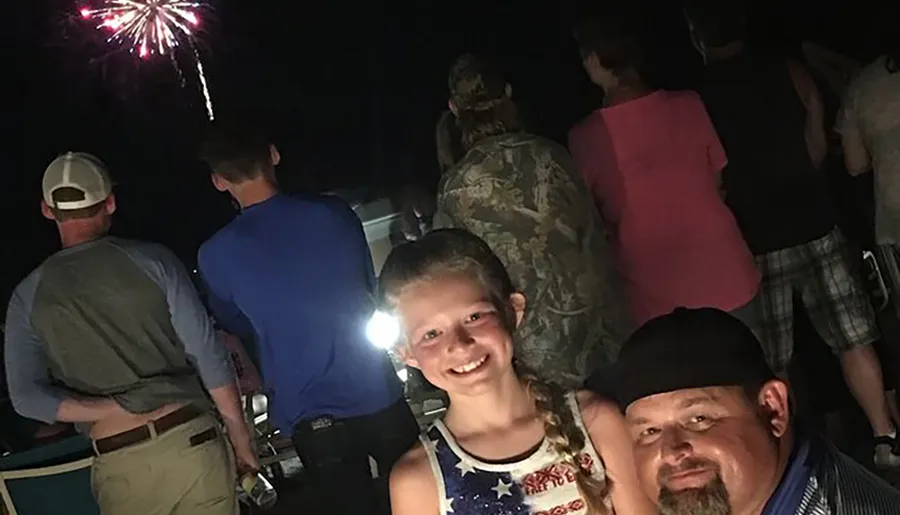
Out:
{"x": 476, "y": 84}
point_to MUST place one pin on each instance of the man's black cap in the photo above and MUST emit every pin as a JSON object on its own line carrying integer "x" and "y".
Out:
{"x": 688, "y": 348}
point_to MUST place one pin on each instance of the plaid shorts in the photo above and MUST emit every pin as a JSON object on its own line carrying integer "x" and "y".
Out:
{"x": 821, "y": 272}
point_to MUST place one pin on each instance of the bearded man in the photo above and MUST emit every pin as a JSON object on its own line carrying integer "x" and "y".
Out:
{"x": 712, "y": 430}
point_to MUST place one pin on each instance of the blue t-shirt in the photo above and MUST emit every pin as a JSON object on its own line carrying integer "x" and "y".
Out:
{"x": 296, "y": 274}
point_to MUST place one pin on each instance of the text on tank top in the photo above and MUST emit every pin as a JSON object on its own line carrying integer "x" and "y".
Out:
{"x": 540, "y": 484}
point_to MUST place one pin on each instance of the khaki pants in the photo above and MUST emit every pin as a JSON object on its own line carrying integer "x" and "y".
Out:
{"x": 167, "y": 476}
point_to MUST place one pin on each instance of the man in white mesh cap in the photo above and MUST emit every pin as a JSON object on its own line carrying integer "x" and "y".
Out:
{"x": 111, "y": 335}
{"x": 75, "y": 181}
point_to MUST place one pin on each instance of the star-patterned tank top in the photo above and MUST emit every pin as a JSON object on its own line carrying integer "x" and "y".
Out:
{"x": 539, "y": 484}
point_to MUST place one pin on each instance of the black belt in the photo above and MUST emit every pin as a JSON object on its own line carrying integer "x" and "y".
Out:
{"x": 143, "y": 433}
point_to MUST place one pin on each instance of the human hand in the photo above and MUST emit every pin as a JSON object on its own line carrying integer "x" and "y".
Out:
{"x": 245, "y": 458}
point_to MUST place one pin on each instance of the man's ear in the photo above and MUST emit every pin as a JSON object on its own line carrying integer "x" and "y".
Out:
{"x": 46, "y": 211}
{"x": 519, "y": 303}
{"x": 774, "y": 400}
{"x": 219, "y": 182}
{"x": 508, "y": 91}
{"x": 597, "y": 73}
{"x": 453, "y": 109}
{"x": 274, "y": 155}
{"x": 110, "y": 204}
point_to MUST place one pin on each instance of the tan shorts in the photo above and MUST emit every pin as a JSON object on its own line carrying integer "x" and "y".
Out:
{"x": 167, "y": 476}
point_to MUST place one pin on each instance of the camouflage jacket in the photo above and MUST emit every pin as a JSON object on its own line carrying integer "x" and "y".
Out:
{"x": 524, "y": 197}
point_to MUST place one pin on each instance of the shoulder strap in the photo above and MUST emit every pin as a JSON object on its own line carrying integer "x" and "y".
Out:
{"x": 430, "y": 440}
{"x": 589, "y": 449}
{"x": 572, "y": 403}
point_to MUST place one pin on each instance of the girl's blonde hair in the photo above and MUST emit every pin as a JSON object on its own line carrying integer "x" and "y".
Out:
{"x": 455, "y": 251}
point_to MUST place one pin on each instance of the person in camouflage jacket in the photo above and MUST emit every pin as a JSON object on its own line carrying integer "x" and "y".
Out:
{"x": 522, "y": 194}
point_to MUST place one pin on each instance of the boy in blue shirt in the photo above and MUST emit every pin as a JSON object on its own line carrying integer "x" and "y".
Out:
{"x": 295, "y": 273}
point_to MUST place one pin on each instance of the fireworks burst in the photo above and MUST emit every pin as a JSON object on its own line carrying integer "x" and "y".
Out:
{"x": 152, "y": 27}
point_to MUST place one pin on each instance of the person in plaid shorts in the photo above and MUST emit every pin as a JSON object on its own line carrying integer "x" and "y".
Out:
{"x": 869, "y": 125}
{"x": 769, "y": 116}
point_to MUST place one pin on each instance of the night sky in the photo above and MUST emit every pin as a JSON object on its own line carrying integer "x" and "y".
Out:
{"x": 349, "y": 93}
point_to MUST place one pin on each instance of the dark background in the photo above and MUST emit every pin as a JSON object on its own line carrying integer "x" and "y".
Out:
{"x": 349, "y": 93}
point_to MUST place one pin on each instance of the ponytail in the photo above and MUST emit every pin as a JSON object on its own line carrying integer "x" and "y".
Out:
{"x": 566, "y": 438}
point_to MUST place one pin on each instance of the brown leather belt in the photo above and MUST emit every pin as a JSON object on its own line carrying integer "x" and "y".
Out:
{"x": 143, "y": 433}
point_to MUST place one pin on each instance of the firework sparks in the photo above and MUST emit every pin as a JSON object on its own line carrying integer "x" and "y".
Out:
{"x": 146, "y": 26}
{"x": 151, "y": 27}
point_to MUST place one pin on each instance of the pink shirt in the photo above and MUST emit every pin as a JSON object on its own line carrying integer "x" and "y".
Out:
{"x": 653, "y": 165}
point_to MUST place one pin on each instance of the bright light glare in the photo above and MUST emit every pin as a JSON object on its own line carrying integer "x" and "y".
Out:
{"x": 383, "y": 330}
{"x": 403, "y": 374}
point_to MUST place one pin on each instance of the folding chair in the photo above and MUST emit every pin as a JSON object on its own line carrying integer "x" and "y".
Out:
{"x": 50, "y": 480}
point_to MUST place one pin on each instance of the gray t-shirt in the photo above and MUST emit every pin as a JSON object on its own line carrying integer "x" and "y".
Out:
{"x": 110, "y": 318}
{"x": 871, "y": 111}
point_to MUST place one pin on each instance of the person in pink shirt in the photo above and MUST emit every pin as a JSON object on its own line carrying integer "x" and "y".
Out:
{"x": 653, "y": 162}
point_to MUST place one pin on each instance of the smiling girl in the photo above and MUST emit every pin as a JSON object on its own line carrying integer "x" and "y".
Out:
{"x": 509, "y": 443}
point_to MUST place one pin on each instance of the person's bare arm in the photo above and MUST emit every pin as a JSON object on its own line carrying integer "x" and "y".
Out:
{"x": 413, "y": 485}
{"x": 606, "y": 427}
{"x": 856, "y": 156}
{"x": 856, "y": 153}
{"x": 228, "y": 402}
{"x": 87, "y": 410}
{"x": 716, "y": 157}
{"x": 816, "y": 137}
{"x": 208, "y": 355}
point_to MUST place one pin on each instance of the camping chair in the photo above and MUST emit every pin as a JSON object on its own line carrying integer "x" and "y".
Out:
{"x": 50, "y": 480}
